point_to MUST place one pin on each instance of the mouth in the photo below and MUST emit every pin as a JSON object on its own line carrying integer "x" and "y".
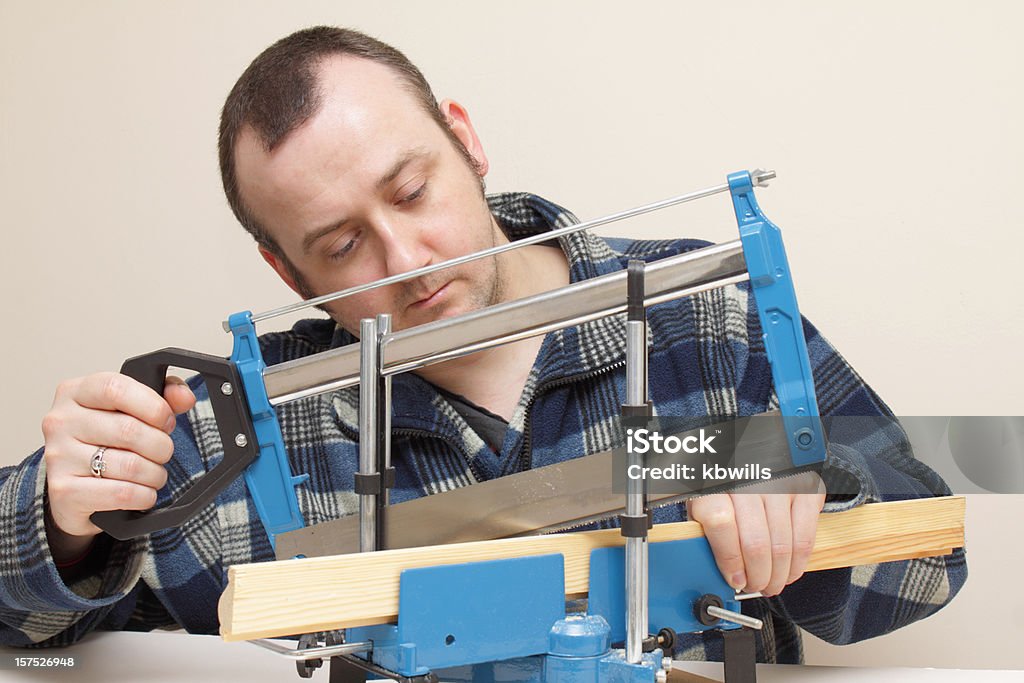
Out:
{"x": 433, "y": 298}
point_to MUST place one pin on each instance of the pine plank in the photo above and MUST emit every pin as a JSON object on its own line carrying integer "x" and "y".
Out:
{"x": 290, "y": 597}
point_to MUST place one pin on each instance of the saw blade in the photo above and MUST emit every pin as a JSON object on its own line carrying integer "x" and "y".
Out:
{"x": 546, "y": 499}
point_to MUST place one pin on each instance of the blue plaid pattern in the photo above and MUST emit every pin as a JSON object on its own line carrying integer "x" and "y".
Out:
{"x": 707, "y": 358}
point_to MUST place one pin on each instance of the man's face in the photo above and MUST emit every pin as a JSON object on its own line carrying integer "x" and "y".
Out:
{"x": 371, "y": 187}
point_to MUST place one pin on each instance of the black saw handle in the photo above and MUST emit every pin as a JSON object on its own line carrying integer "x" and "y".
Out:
{"x": 234, "y": 423}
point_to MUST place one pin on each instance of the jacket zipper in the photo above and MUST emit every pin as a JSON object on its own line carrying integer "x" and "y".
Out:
{"x": 354, "y": 436}
{"x": 526, "y": 452}
{"x": 477, "y": 474}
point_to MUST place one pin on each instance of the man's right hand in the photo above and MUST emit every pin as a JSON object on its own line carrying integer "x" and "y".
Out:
{"x": 133, "y": 423}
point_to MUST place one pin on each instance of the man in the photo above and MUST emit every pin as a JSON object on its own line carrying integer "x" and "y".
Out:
{"x": 338, "y": 160}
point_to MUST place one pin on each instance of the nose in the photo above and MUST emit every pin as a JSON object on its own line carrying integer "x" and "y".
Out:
{"x": 402, "y": 246}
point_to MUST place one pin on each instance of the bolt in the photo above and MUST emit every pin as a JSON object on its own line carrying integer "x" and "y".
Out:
{"x": 240, "y": 440}
{"x": 227, "y": 389}
{"x": 761, "y": 177}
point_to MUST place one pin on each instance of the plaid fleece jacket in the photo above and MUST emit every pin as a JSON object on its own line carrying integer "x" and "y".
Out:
{"x": 707, "y": 358}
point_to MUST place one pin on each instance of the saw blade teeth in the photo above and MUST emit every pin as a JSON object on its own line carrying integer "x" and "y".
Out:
{"x": 580, "y": 525}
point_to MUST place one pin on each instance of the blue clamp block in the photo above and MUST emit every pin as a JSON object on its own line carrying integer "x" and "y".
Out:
{"x": 472, "y": 613}
{"x": 269, "y": 477}
{"x": 680, "y": 572}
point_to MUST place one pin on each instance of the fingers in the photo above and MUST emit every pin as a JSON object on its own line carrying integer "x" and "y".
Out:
{"x": 761, "y": 542}
{"x": 718, "y": 517}
{"x": 131, "y": 467}
{"x": 755, "y": 539}
{"x": 131, "y": 422}
{"x": 113, "y": 391}
{"x": 118, "y": 430}
{"x": 806, "y": 508}
{"x": 778, "y": 513}
{"x": 87, "y": 495}
{"x": 92, "y": 494}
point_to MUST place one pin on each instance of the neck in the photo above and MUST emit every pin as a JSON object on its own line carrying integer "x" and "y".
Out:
{"x": 494, "y": 378}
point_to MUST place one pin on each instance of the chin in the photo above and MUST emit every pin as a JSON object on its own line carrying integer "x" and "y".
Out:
{"x": 427, "y": 317}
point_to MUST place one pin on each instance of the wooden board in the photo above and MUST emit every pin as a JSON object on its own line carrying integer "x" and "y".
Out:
{"x": 291, "y": 597}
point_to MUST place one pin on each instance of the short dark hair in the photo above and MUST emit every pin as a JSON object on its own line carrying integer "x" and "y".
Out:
{"x": 279, "y": 92}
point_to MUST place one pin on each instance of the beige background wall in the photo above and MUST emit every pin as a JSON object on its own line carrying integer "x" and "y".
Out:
{"x": 893, "y": 126}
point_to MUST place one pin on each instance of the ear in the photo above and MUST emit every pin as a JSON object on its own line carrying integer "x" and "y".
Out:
{"x": 462, "y": 127}
{"x": 278, "y": 264}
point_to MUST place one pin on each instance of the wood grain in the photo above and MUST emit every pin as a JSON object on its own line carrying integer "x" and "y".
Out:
{"x": 301, "y": 596}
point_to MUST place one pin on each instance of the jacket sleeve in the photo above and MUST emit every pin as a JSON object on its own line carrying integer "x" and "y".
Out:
{"x": 37, "y": 608}
{"x": 174, "y": 576}
{"x": 869, "y": 460}
{"x": 128, "y": 585}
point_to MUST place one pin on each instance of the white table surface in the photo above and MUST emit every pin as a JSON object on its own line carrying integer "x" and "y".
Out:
{"x": 165, "y": 657}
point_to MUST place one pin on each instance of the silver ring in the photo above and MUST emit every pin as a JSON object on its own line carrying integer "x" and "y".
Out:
{"x": 98, "y": 466}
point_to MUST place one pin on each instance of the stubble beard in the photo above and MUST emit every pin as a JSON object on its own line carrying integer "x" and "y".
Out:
{"x": 498, "y": 289}
{"x": 489, "y": 290}
{"x": 492, "y": 290}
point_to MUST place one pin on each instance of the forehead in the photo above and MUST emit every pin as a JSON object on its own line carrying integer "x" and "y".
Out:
{"x": 367, "y": 117}
{"x": 361, "y": 92}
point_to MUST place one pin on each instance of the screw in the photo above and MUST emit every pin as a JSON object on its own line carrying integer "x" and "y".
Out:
{"x": 735, "y": 617}
{"x": 240, "y": 440}
{"x": 661, "y": 676}
{"x": 227, "y": 389}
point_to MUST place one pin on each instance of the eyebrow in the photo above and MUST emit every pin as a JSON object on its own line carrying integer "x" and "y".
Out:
{"x": 403, "y": 161}
{"x": 309, "y": 240}
{"x": 393, "y": 172}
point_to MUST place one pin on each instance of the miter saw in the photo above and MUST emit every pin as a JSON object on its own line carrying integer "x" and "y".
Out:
{"x": 518, "y": 626}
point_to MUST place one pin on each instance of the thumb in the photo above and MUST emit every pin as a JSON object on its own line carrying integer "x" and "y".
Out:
{"x": 178, "y": 395}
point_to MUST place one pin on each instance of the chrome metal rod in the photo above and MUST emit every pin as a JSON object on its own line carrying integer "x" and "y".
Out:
{"x": 758, "y": 176}
{"x": 369, "y": 373}
{"x": 304, "y": 655}
{"x": 636, "y": 547}
{"x": 636, "y": 499}
{"x": 384, "y": 413}
{"x": 670, "y": 278}
{"x": 635, "y": 628}
{"x": 636, "y": 363}
{"x": 735, "y": 617}
{"x": 645, "y": 577}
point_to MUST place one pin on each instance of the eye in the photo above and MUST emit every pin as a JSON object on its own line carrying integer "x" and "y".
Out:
{"x": 347, "y": 246}
{"x": 414, "y": 195}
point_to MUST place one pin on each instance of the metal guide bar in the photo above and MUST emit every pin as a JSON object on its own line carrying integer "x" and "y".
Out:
{"x": 669, "y": 278}
{"x": 636, "y": 500}
{"x": 368, "y": 414}
{"x": 759, "y": 178}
